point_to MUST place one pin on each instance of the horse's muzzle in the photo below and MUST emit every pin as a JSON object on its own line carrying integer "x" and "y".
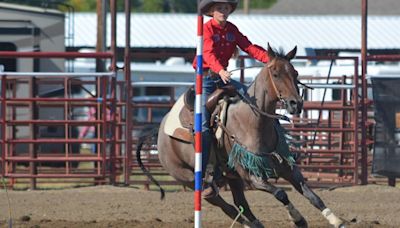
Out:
{"x": 294, "y": 106}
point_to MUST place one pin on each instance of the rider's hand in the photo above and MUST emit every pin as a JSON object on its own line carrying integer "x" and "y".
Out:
{"x": 225, "y": 75}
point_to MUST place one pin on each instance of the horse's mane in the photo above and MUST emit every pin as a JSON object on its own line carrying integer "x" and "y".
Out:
{"x": 280, "y": 53}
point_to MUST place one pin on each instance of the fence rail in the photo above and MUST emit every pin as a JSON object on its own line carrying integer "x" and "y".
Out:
{"x": 33, "y": 146}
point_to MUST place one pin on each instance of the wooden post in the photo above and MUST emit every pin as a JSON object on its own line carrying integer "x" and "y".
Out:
{"x": 129, "y": 92}
{"x": 392, "y": 181}
{"x": 101, "y": 32}
{"x": 246, "y": 8}
{"x": 364, "y": 48}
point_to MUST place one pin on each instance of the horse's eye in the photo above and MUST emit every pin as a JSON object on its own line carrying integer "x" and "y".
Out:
{"x": 275, "y": 75}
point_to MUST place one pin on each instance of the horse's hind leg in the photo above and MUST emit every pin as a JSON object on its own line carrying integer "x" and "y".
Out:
{"x": 280, "y": 195}
{"x": 297, "y": 180}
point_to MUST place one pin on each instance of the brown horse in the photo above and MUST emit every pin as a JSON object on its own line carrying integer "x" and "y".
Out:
{"x": 256, "y": 135}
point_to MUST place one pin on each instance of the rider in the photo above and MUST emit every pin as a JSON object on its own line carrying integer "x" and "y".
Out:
{"x": 220, "y": 40}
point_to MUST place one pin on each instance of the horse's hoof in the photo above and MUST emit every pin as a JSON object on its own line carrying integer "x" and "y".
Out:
{"x": 301, "y": 223}
{"x": 333, "y": 219}
{"x": 342, "y": 225}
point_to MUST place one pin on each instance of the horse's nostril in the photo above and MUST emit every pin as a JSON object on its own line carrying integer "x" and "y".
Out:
{"x": 293, "y": 103}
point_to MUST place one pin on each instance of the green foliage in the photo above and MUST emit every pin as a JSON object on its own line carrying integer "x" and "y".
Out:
{"x": 165, "y": 6}
{"x": 183, "y": 6}
{"x": 156, "y": 6}
{"x": 82, "y": 5}
{"x": 36, "y": 3}
{"x": 159, "y": 6}
{"x": 259, "y": 4}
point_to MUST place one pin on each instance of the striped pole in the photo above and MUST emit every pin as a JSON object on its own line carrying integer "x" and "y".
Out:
{"x": 197, "y": 121}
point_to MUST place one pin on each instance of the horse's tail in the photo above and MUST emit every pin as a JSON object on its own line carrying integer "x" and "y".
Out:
{"x": 145, "y": 171}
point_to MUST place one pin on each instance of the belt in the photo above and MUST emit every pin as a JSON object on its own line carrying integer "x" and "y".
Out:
{"x": 210, "y": 73}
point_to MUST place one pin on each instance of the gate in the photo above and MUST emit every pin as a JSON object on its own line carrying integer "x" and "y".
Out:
{"x": 42, "y": 115}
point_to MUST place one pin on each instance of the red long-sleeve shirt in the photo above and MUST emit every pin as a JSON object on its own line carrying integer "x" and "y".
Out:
{"x": 220, "y": 44}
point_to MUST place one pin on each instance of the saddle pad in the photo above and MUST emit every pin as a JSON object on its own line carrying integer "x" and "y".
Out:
{"x": 173, "y": 125}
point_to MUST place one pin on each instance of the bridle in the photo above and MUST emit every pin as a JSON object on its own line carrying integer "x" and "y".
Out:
{"x": 298, "y": 82}
{"x": 261, "y": 112}
{"x": 278, "y": 94}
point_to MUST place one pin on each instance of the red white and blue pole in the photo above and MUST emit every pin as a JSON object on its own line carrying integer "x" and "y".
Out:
{"x": 197, "y": 121}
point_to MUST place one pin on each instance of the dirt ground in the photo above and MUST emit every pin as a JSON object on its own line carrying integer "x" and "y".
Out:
{"x": 107, "y": 206}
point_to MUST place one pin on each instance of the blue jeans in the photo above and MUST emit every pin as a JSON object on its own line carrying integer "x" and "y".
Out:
{"x": 210, "y": 84}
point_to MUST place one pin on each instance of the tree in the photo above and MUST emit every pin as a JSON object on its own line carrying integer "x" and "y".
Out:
{"x": 166, "y": 6}
{"x": 183, "y": 6}
{"x": 159, "y": 6}
{"x": 83, "y": 5}
{"x": 156, "y": 6}
{"x": 259, "y": 4}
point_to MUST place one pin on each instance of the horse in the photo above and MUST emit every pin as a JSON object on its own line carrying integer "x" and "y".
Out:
{"x": 251, "y": 131}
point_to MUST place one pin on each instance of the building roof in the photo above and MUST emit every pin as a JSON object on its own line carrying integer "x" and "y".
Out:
{"x": 318, "y": 32}
{"x": 30, "y": 9}
{"x": 332, "y": 7}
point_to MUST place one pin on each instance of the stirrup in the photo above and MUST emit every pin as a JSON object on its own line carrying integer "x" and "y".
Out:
{"x": 210, "y": 190}
{"x": 209, "y": 174}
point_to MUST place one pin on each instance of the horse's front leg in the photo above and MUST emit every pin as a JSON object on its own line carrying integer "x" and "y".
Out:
{"x": 280, "y": 194}
{"x": 237, "y": 188}
{"x": 297, "y": 180}
{"x": 228, "y": 209}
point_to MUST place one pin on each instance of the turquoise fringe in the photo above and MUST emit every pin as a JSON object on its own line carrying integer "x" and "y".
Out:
{"x": 261, "y": 165}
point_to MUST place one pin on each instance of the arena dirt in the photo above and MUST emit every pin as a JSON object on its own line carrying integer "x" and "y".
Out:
{"x": 107, "y": 206}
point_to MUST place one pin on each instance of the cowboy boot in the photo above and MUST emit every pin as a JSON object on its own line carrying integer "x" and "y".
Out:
{"x": 210, "y": 188}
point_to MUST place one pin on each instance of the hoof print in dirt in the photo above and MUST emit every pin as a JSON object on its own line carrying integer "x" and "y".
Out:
{"x": 189, "y": 220}
{"x": 25, "y": 218}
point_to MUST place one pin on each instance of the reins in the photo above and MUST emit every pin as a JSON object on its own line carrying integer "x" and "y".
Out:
{"x": 254, "y": 107}
{"x": 242, "y": 68}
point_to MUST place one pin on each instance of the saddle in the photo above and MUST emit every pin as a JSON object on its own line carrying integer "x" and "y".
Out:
{"x": 180, "y": 120}
{"x": 179, "y": 123}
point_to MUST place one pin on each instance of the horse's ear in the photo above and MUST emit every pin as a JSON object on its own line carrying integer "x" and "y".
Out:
{"x": 271, "y": 52}
{"x": 291, "y": 54}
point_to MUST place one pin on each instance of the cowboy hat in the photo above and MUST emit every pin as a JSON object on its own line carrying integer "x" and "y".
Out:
{"x": 205, "y": 5}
